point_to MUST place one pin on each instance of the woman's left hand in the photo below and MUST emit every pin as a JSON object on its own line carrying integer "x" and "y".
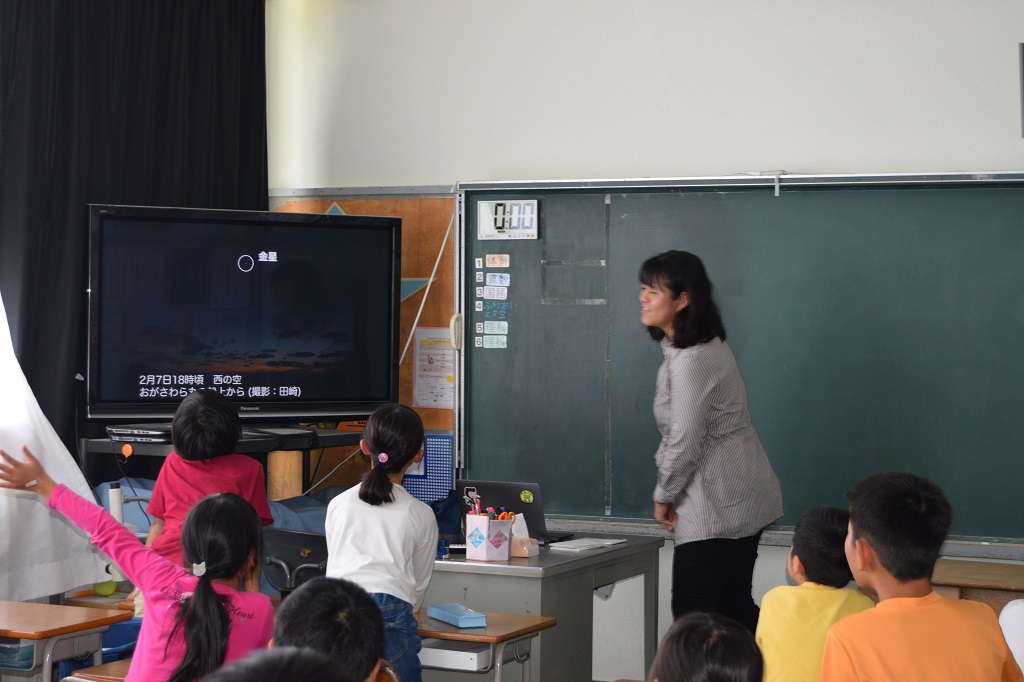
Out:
{"x": 665, "y": 514}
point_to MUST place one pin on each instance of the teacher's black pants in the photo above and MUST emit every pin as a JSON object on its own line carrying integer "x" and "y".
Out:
{"x": 716, "y": 576}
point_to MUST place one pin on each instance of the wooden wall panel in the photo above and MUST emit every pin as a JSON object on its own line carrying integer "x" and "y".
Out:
{"x": 425, "y": 223}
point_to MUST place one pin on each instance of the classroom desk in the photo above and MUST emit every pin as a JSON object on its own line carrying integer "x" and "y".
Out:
{"x": 56, "y": 632}
{"x": 992, "y": 583}
{"x": 558, "y": 585}
{"x": 502, "y": 631}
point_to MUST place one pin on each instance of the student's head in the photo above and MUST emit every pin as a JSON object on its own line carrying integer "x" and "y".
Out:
{"x": 707, "y": 647}
{"x": 682, "y": 274}
{"x": 282, "y": 663}
{"x": 205, "y": 425}
{"x": 335, "y": 617}
{"x": 224, "y": 534}
{"x": 904, "y": 518}
{"x": 222, "y": 537}
{"x": 818, "y": 551}
{"x": 393, "y": 438}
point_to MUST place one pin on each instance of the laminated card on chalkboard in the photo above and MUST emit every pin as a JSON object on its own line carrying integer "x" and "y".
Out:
{"x": 457, "y": 615}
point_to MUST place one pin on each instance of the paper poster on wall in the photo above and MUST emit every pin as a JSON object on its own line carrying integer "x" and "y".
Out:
{"x": 434, "y": 375}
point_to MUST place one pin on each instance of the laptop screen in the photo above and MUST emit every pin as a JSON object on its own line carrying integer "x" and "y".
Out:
{"x": 522, "y": 498}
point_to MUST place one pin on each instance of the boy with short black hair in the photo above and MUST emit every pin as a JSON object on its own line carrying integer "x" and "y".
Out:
{"x": 336, "y": 617}
{"x": 898, "y": 522}
{"x": 795, "y": 620}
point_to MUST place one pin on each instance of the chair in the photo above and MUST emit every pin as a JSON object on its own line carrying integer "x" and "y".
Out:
{"x": 114, "y": 671}
{"x": 387, "y": 673}
{"x": 291, "y": 557}
{"x": 1011, "y": 620}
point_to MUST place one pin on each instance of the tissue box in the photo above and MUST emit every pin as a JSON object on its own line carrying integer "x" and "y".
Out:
{"x": 458, "y": 615}
{"x": 524, "y": 547}
{"x": 487, "y": 539}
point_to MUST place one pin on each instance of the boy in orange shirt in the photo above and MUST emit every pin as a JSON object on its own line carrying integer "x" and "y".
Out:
{"x": 898, "y": 522}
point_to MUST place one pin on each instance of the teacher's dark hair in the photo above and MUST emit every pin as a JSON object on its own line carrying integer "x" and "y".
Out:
{"x": 707, "y": 647}
{"x": 678, "y": 272}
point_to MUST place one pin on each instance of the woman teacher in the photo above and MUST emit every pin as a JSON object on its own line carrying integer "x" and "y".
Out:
{"x": 716, "y": 489}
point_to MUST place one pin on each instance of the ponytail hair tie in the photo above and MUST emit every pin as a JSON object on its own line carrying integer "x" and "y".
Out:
{"x": 382, "y": 457}
{"x": 199, "y": 570}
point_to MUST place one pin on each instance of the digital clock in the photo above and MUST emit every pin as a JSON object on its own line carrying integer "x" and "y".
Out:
{"x": 512, "y": 219}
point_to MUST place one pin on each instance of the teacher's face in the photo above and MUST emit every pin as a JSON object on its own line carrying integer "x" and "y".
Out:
{"x": 658, "y": 308}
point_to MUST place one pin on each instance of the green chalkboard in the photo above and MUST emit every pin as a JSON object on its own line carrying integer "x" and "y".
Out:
{"x": 877, "y": 325}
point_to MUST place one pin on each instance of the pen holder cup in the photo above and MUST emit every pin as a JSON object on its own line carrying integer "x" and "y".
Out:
{"x": 487, "y": 539}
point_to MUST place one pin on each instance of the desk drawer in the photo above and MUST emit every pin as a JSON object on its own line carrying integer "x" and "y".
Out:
{"x": 449, "y": 655}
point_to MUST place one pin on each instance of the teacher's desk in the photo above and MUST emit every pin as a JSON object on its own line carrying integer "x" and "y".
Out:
{"x": 557, "y": 584}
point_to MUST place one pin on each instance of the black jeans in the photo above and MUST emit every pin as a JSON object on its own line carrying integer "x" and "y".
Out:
{"x": 716, "y": 576}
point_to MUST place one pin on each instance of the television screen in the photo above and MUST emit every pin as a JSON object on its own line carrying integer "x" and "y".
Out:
{"x": 292, "y": 316}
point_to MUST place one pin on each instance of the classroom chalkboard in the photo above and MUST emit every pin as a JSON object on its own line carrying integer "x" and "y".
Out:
{"x": 878, "y": 324}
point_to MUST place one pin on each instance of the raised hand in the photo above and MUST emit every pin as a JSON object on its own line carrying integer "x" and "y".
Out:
{"x": 27, "y": 475}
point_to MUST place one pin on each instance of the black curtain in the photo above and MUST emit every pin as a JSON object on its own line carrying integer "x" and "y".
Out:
{"x": 154, "y": 102}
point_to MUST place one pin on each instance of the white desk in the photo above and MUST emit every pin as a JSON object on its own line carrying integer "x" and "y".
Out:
{"x": 555, "y": 584}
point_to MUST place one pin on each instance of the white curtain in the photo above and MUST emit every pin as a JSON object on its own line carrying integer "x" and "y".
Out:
{"x": 41, "y": 553}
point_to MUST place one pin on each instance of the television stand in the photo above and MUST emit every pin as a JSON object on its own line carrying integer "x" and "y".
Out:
{"x": 96, "y": 455}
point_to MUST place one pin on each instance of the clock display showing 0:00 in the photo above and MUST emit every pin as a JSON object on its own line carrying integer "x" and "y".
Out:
{"x": 510, "y": 216}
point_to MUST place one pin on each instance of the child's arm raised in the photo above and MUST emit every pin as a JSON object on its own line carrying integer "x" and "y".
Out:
{"x": 27, "y": 475}
{"x": 139, "y": 563}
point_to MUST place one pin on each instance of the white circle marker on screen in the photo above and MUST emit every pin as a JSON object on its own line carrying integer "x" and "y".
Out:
{"x": 246, "y": 263}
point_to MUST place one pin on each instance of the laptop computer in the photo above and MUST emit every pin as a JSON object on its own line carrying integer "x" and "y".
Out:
{"x": 521, "y": 498}
{"x": 140, "y": 433}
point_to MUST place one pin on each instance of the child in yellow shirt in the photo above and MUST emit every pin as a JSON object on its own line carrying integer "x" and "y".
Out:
{"x": 795, "y": 620}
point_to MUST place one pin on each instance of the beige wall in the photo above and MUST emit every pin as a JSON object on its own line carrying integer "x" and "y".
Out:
{"x": 412, "y": 92}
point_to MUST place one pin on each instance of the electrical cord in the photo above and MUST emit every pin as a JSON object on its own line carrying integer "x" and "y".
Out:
{"x": 134, "y": 492}
{"x": 319, "y": 459}
{"x": 328, "y": 474}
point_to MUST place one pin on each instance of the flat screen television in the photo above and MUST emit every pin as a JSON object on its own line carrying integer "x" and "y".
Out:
{"x": 292, "y": 316}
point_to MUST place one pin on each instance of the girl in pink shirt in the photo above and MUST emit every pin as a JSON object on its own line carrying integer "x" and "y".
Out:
{"x": 195, "y": 621}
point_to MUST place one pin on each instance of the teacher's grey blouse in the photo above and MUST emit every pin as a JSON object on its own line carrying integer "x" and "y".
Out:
{"x": 711, "y": 464}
